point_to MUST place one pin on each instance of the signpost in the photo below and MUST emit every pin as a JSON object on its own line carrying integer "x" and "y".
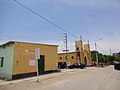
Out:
{"x": 37, "y": 56}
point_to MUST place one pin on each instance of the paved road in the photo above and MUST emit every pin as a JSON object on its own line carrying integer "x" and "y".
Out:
{"x": 88, "y": 79}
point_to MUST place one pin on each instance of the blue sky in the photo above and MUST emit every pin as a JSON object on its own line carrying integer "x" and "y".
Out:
{"x": 91, "y": 19}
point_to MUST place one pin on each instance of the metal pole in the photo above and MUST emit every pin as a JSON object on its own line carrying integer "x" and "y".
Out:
{"x": 66, "y": 50}
{"x": 110, "y": 50}
{"x": 96, "y": 53}
{"x": 36, "y": 58}
{"x": 37, "y": 70}
{"x": 96, "y": 50}
{"x": 76, "y": 53}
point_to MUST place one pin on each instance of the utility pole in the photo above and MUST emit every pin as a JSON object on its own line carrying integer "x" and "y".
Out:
{"x": 96, "y": 53}
{"x": 110, "y": 50}
{"x": 37, "y": 56}
{"x": 65, "y": 41}
{"x": 96, "y": 49}
{"x": 76, "y": 53}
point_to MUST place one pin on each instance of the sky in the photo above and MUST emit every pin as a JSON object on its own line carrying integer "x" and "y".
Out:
{"x": 91, "y": 19}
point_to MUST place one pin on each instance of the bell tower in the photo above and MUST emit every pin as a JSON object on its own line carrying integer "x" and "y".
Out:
{"x": 79, "y": 50}
{"x": 88, "y": 56}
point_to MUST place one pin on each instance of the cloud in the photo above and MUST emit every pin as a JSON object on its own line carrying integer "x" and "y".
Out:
{"x": 83, "y": 3}
{"x": 93, "y": 3}
{"x": 104, "y": 45}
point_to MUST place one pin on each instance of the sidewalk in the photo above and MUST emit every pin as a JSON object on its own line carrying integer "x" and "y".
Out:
{"x": 1, "y": 81}
{"x": 42, "y": 77}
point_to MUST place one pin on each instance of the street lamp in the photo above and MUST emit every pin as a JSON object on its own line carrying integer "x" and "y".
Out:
{"x": 96, "y": 49}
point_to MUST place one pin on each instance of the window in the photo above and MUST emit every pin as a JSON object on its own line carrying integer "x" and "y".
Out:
{"x": 77, "y": 48}
{"x": 60, "y": 58}
{"x": 72, "y": 57}
{"x": 1, "y": 61}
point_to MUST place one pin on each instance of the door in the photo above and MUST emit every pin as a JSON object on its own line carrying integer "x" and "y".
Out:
{"x": 41, "y": 64}
{"x": 85, "y": 59}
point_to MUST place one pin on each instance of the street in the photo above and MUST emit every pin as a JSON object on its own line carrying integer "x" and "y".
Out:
{"x": 91, "y": 78}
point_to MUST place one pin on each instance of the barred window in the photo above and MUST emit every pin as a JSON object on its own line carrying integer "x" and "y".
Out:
{"x": 1, "y": 61}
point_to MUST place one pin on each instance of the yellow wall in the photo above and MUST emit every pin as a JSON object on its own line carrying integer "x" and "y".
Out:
{"x": 87, "y": 47}
{"x": 50, "y": 52}
{"x": 72, "y": 61}
{"x": 82, "y": 57}
{"x": 62, "y": 56}
{"x": 88, "y": 53}
{"x": 79, "y": 45}
{"x": 70, "y": 54}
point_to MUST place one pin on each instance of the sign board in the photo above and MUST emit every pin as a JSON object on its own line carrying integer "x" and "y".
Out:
{"x": 32, "y": 62}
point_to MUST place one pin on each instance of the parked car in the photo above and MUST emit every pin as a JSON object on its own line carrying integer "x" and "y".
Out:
{"x": 77, "y": 65}
{"x": 117, "y": 66}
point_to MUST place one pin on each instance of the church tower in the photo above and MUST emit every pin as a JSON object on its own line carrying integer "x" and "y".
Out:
{"x": 79, "y": 51}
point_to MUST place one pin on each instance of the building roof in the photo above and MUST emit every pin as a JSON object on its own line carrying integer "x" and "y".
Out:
{"x": 7, "y": 43}
{"x": 12, "y": 42}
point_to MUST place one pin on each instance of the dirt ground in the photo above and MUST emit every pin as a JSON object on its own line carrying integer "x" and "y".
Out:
{"x": 92, "y": 78}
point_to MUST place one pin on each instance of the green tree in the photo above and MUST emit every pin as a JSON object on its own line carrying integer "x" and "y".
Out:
{"x": 101, "y": 58}
{"x": 117, "y": 59}
{"x": 93, "y": 54}
{"x": 111, "y": 58}
{"x": 106, "y": 59}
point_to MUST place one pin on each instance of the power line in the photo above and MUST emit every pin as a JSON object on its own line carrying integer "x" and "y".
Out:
{"x": 6, "y": 35}
{"x": 101, "y": 49}
{"x": 52, "y": 23}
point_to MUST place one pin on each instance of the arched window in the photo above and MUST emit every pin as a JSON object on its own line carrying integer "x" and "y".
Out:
{"x": 72, "y": 57}
{"x": 77, "y": 48}
{"x": 60, "y": 58}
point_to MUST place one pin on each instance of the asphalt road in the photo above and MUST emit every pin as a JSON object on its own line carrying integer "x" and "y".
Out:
{"x": 92, "y": 78}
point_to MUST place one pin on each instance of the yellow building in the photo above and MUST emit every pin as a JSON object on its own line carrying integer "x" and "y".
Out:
{"x": 81, "y": 54}
{"x": 17, "y": 59}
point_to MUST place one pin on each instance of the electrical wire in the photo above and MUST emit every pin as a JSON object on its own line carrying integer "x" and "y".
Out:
{"x": 101, "y": 49}
{"x": 49, "y": 21}
{"x": 6, "y": 35}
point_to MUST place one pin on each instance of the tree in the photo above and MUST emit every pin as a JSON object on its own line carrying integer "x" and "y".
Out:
{"x": 101, "y": 58}
{"x": 93, "y": 55}
{"x": 111, "y": 58}
{"x": 104, "y": 58}
{"x": 117, "y": 59}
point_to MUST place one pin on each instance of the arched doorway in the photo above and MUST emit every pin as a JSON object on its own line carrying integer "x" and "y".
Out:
{"x": 85, "y": 60}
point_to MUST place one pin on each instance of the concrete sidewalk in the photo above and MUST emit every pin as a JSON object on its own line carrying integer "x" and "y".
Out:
{"x": 42, "y": 77}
